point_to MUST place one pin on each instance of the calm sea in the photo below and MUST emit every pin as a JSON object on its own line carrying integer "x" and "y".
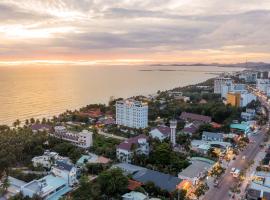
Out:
{"x": 37, "y": 92}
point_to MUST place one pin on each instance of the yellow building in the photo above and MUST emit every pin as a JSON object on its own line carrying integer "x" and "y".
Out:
{"x": 234, "y": 99}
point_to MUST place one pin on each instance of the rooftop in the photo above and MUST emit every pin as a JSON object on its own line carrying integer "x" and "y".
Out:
{"x": 198, "y": 166}
{"x": 127, "y": 144}
{"x": 195, "y": 117}
{"x": 165, "y": 130}
{"x": 161, "y": 180}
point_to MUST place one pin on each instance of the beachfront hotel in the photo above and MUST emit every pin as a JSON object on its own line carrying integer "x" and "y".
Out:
{"x": 132, "y": 113}
{"x": 83, "y": 139}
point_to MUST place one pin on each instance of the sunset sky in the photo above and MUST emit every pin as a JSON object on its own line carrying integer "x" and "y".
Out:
{"x": 107, "y": 31}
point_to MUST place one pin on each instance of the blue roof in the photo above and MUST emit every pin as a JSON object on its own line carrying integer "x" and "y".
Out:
{"x": 243, "y": 127}
{"x": 161, "y": 180}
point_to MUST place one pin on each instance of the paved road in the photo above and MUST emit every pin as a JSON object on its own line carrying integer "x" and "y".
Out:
{"x": 222, "y": 193}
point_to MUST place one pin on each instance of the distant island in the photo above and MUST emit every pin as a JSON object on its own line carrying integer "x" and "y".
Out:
{"x": 247, "y": 65}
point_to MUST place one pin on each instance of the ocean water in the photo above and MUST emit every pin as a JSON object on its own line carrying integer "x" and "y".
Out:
{"x": 44, "y": 91}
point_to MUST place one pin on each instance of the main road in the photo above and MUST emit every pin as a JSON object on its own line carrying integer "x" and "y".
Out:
{"x": 228, "y": 181}
{"x": 250, "y": 152}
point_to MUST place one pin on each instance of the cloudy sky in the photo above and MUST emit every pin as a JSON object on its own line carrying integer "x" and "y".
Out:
{"x": 134, "y": 30}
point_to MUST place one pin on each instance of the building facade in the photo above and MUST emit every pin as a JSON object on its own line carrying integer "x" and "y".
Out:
{"x": 219, "y": 82}
{"x": 126, "y": 149}
{"x": 131, "y": 113}
{"x": 82, "y": 139}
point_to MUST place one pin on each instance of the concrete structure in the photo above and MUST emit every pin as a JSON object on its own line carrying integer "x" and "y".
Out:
{"x": 219, "y": 82}
{"x": 66, "y": 171}
{"x": 82, "y": 139}
{"x": 198, "y": 169}
{"x": 160, "y": 132}
{"x": 135, "y": 196}
{"x": 131, "y": 113}
{"x": 211, "y": 136}
{"x": 126, "y": 149}
{"x": 173, "y": 125}
{"x": 48, "y": 188}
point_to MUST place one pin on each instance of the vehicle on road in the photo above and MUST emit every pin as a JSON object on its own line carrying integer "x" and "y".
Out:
{"x": 236, "y": 173}
{"x": 243, "y": 157}
{"x": 232, "y": 170}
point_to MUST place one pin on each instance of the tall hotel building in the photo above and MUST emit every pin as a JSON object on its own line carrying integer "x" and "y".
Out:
{"x": 131, "y": 113}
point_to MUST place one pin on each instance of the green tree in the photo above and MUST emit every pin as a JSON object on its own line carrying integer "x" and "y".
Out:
{"x": 112, "y": 182}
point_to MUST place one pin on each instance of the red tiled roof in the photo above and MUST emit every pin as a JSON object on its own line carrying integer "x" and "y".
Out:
{"x": 215, "y": 125}
{"x": 133, "y": 185}
{"x": 195, "y": 117}
{"x": 127, "y": 144}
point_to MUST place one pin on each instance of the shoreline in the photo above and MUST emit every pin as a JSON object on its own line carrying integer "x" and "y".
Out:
{"x": 51, "y": 115}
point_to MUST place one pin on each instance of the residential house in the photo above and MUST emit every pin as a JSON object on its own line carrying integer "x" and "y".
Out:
{"x": 190, "y": 117}
{"x": 198, "y": 169}
{"x": 143, "y": 175}
{"x": 138, "y": 145}
{"x": 66, "y": 171}
{"x": 47, "y": 159}
{"x": 211, "y": 136}
{"x": 160, "y": 132}
{"x": 191, "y": 128}
{"x": 48, "y": 188}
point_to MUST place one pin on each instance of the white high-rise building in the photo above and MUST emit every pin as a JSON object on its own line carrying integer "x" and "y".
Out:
{"x": 173, "y": 125}
{"x": 132, "y": 113}
{"x": 219, "y": 82}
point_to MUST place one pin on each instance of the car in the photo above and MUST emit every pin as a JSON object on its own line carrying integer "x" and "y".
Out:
{"x": 243, "y": 157}
{"x": 236, "y": 173}
{"x": 232, "y": 170}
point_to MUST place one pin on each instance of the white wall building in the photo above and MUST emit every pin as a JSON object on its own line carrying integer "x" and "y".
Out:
{"x": 219, "y": 82}
{"x": 66, "y": 171}
{"x": 246, "y": 98}
{"x": 82, "y": 139}
{"x": 160, "y": 132}
{"x": 131, "y": 113}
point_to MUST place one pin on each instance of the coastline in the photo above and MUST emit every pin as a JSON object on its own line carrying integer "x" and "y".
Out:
{"x": 50, "y": 116}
